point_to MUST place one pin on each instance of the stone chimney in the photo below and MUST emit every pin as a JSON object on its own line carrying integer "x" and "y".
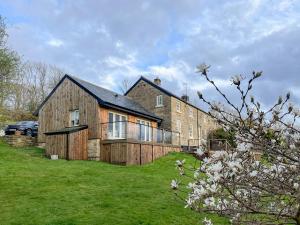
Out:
{"x": 185, "y": 98}
{"x": 157, "y": 81}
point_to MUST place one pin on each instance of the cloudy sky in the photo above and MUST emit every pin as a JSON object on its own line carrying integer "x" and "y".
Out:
{"x": 105, "y": 41}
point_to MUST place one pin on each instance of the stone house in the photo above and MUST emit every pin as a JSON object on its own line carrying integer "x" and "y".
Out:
{"x": 177, "y": 113}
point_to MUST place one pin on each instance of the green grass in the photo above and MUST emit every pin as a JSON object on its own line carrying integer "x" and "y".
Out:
{"x": 36, "y": 190}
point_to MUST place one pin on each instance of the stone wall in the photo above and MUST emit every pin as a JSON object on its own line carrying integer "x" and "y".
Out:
{"x": 20, "y": 140}
{"x": 206, "y": 124}
{"x": 145, "y": 94}
{"x": 200, "y": 123}
{"x": 94, "y": 149}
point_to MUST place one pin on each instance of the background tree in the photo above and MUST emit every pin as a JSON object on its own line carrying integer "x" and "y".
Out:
{"x": 220, "y": 133}
{"x": 55, "y": 75}
{"x": 23, "y": 85}
{"x": 9, "y": 65}
{"x": 34, "y": 83}
{"x": 236, "y": 184}
{"x": 124, "y": 86}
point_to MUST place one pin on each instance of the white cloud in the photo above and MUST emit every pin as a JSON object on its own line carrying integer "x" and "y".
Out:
{"x": 203, "y": 86}
{"x": 285, "y": 5}
{"x": 177, "y": 70}
{"x": 55, "y": 42}
{"x": 106, "y": 44}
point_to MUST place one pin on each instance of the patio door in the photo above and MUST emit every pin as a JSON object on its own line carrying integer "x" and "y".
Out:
{"x": 145, "y": 130}
{"x": 116, "y": 126}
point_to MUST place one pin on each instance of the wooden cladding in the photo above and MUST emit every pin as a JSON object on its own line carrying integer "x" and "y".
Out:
{"x": 55, "y": 113}
{"x": 130, "y": 153}
{"x": 72, "y": 146}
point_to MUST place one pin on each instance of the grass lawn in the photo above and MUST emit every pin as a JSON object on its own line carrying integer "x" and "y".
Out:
{"x": 36, "y": 190}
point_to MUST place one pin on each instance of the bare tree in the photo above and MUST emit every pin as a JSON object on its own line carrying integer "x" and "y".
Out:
{"x": 34, "y": 82}
{"x": 32, "y": 88}
{"x": 55, "y": 75}
{"x": 234, "y": 183}
{"x": 124, "y": 86}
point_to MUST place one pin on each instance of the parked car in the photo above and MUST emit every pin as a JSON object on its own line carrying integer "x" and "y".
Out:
{"x": 29, "y": 128}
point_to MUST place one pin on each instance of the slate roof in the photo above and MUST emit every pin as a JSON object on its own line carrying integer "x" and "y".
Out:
{"x": 108, "y": 98}
{"x": 162, "y": 90}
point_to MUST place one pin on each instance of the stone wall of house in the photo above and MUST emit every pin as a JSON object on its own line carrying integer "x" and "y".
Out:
{"x": 94, "y": 149}
{"x": 201, "y": 122}
{"x": 20, "y": 140}
{"x": 145, "y": 94}
{"x": 206, "y": 124}
{"x": 198, "y": 122}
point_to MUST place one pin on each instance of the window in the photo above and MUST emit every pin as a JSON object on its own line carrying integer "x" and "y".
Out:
{"x": 74, "y": 118}
{"x": 191, "y": 112}
{"x": 178, "y": 106}
{"x": 191, "y": 131}
{"x": 145, "y": 130}
{"x": 159, "y": 100}
{"x": 178, "y": 126}
{"x": 116, "y": 126}
{"x": 199, "y": 132}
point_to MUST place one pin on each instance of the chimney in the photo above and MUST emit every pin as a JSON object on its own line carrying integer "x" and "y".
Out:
{"x": 157, "y": 81}
{"x": 185, "y": 98}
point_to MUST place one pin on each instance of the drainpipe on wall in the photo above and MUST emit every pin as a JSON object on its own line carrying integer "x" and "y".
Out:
{"x": 198, "y": 129}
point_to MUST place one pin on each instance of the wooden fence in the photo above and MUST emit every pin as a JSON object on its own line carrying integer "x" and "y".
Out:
{"x": 124, "y": 152}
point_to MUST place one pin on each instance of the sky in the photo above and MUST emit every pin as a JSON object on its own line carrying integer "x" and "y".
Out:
{"x": 106, "y": 42}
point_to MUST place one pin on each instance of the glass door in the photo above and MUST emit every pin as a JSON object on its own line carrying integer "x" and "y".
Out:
{"x": 117, "y": 126}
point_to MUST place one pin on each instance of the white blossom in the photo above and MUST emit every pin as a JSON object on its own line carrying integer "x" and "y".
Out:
{"x": 199, "y": 152}
{"x": 174, "y": 184}
{"x": 180, "y": 163}
{"x": 253, "y": 173}
{"x": 207, "y": 221}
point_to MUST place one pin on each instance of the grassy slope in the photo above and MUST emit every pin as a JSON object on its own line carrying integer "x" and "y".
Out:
{"x": 35, "y": 190}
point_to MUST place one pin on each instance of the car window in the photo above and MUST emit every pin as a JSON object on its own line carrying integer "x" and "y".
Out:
{"x": 21, "y": 123}
{"x": 24, "y": 123}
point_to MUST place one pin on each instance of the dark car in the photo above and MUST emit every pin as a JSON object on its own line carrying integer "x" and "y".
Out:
{"x": 29, "y": 128}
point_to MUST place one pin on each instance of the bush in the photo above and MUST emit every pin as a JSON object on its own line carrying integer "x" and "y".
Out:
{"x": 220, "y": 133}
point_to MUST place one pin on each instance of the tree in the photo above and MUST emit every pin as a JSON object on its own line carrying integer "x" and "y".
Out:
{"x": 234, "y": 183}
{"x": 220, "y": 133}
{"x": 124, "y": 86}
{"x": 55, "y": 75}
{"x": 9, "y": 65}
{"x": 32, "y": 85}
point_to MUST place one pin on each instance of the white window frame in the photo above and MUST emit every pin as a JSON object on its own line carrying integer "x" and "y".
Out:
{"x": 191, "y": 131}
{"x": 74, "y": 118}
{"x": 159, "y": 101}
{"x": 147, "y": 129}
{"x": 178, "y": 126}
{"x": 191, "y": 113}
{"x": 115, "y": 133}
{"x": 178, "y": 106}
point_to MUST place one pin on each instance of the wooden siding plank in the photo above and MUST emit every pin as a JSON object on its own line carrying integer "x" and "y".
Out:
{"x": 54, "y": 114}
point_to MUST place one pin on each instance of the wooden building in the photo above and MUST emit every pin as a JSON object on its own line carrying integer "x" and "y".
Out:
{"x": 79, "y": 120}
